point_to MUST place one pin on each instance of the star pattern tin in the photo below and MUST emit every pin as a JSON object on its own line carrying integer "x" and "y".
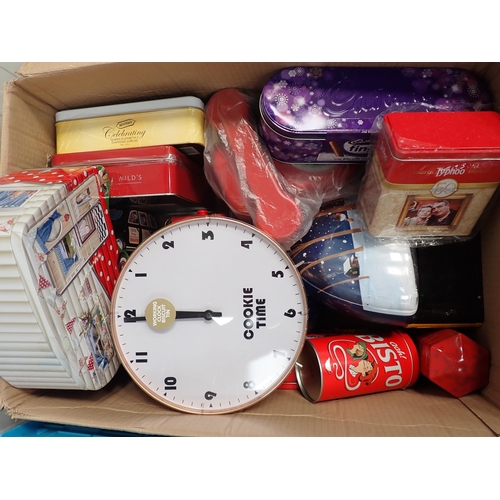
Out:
{"x": 347, "y": 270}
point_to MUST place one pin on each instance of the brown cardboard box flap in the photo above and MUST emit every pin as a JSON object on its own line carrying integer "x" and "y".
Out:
{"x": 31, "y": 69}
{"x": 121, "y": 405}
{"x": 31, "y": 132}
{"x": 484, "y": 410}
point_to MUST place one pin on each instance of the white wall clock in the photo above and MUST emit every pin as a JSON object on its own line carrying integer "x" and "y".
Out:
{"x": 209, "y": 315}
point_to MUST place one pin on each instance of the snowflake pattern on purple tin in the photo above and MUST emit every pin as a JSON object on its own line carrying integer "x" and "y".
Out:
{"x": 329, "y": 107}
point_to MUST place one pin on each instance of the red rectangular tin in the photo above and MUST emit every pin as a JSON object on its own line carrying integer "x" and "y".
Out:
{"x": 449, "y": 160}
{"x": 147, "y": 171}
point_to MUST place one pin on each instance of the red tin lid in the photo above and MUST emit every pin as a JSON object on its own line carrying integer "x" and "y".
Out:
{"x": 428, "y": 135}
{"x": 146, "y": 154}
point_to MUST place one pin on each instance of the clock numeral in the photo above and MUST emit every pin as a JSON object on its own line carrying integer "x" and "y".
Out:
{"x": 249, "y": 384}
{"x": 168, "y": 244}
{"x": 277, "y": 274}
{"x": 210, "y": 395}
{"x": 246, "y": 243}
{"x": 291, "y": 313}
{"x": 170, "y": 383}
{"x": 141, "y": 357}
{"x": 129, "y": 313}
{"x": 207, "y": 235}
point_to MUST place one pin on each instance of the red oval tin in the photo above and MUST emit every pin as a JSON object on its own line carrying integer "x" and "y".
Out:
{"x": 346, "y": 365}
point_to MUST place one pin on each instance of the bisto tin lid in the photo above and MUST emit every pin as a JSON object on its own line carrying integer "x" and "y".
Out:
{"x": 309, "y": 373}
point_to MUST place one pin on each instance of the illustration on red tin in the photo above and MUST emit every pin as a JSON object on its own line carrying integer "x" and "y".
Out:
{"x": 351, "y": 362}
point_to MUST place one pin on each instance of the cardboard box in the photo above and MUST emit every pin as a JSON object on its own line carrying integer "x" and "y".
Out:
{"x": 28, "y": 140}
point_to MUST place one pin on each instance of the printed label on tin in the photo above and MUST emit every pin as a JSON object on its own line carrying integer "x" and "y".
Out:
{"x": 422, "y": 172}
{"x": 121, "y": 133}
{"x": 427, "y": 211}
{"x": 362, "y": 364}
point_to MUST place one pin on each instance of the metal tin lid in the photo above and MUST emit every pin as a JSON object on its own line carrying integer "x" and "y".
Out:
{"x": 309, "y": 373}
{"x": 316, "y": 101}
{"x": 132, "y": 107}
{"x": 421, "y": 135}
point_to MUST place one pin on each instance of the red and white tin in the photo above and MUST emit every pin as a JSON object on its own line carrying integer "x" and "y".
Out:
{"x": 347, "y": 365}
{"x": 148, "y": 171}
{"x": 432, "y": 174}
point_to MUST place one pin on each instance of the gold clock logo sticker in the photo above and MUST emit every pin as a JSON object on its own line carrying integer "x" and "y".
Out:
{"x": 160, "y": 314}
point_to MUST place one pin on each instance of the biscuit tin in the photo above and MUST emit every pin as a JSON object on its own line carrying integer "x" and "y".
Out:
{"x": 432, "y": 174}
{"x": 347, "y": 365}
{"x": 175, "y": 121}
{"x": 59, "y": 265}
{"x": 149, "y": 171}
{"x": 326, "y": 114}
{"x": 354, "y": 274}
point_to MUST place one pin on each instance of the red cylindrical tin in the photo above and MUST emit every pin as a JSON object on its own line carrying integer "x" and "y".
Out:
{"x": 290, "y": 382}
{"x": 346, "y": 365}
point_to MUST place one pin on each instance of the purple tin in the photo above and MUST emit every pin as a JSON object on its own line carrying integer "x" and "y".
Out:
{"x": 326, "y": 114}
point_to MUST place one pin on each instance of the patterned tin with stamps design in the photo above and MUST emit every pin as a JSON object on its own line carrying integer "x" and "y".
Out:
{"x": 326, "y": 114}
{"x": 347, "y": 365}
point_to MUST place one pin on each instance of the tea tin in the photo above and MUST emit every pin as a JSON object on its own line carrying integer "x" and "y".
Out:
{"x": 347, "y": 365}
{"x": 326, "y": 114}
{"x": 432, "y": 174}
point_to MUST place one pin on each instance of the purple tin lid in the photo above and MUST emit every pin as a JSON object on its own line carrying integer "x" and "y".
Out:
{"x": 319, "y": 101}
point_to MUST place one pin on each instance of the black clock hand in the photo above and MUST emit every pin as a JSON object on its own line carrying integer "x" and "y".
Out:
{"x": 208, "y": 315}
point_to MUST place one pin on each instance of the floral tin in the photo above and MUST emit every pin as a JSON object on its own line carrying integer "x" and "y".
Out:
{"x": 326, "y": 114}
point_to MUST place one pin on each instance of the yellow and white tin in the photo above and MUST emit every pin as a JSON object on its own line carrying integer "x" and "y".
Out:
{"x": 175, "y": 121}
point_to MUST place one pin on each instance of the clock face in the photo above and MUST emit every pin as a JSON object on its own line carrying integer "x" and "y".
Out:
{"x": 209, "y": 315}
